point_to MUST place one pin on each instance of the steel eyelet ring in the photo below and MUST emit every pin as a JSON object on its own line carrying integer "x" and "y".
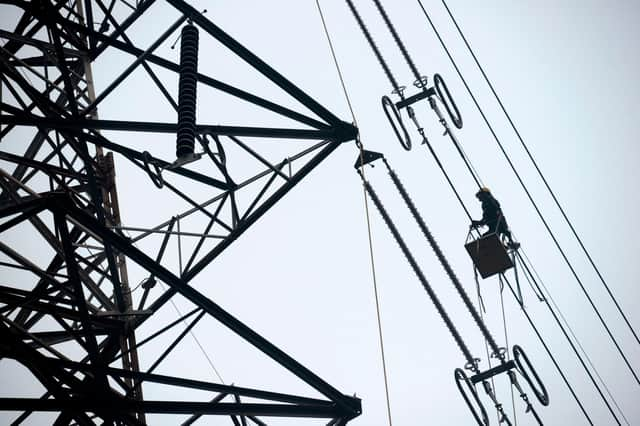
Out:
{"x": 442, "y": 89}
{"x": 156, "y": 175}
{"x": 399, "y": 91}
{"x": 541, "y": 392}
{"x": 421, "y": 82}
{"x": 479, "y": 413}
{"x": 500, "y": 353}
{"x": 388, "y": 104}
{"x": 471, "y": 366}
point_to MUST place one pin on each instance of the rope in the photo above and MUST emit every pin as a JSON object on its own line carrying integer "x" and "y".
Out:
{"x": 506, "y": 342}
{"x": 482, "y": 309}
{"x": 425, "y": 141}
{"x": 366, "y": 207}
{"x": 546, "y": 225}
{"x": 555, "y": 362}
{"x": 213, "y": 367}
{"x": 335, "y": 61}
{"x": 548, "y": 297}
{"x": 544, "y": 180}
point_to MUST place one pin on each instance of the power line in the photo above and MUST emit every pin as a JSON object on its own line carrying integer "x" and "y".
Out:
{"x": 544, "y": 180}
{"x": 546, "y": 225}
{"x": 403, "y": 49}
{"x": 553, "y": 359}
{"x": 366, "y": 205}
{"x": 394, "y": 83}
{"x": 548, "y": 297}
{"x": 548, "y": 229}
{"x": 400, "y": 91}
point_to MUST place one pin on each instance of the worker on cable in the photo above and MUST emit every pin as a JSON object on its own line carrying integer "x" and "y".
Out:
{"x": 493, "y": 218}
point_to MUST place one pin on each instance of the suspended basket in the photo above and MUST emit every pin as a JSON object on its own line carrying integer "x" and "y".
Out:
{"x": 489, "y": 255}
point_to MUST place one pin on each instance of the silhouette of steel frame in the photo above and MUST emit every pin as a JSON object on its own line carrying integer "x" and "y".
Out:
{"x": 65, "y": 214}
{"x": 82, "y": 199}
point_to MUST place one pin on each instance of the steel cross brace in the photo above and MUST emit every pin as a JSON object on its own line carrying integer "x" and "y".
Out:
{"x": 348, "y": 404}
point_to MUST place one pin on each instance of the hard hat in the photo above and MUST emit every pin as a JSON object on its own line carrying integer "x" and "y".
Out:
{"x": 484, "y": 189}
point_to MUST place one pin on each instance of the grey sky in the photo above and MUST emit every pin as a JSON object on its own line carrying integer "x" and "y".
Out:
{"x": 566, "y": 71}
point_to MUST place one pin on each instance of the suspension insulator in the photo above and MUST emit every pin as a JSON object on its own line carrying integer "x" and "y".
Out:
{"x": 187, "y": 91}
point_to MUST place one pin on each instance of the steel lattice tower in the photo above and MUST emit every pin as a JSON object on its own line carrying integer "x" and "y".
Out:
{"x": 68, "y": 311}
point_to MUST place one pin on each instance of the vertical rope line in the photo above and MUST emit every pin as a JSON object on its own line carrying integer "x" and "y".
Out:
{"x": 377, "y": 298}
{"x": 506, "y": 342}
{"x": 213, "y": 367}
{"x": 486, "y": 344}
{"x": 366, "y": 204}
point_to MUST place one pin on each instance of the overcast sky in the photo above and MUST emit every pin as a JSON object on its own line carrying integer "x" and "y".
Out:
{"x": 301, "y": 277}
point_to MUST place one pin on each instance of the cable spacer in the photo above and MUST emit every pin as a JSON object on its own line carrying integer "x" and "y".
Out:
{"x": 541, "y": 393}
{"x": 388, "y": 104}
{"x": 442, "y": 89}
{"x": 474, "y": 404}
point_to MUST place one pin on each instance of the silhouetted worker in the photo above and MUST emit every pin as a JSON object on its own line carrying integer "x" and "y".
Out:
{"x": 492, "y": 217}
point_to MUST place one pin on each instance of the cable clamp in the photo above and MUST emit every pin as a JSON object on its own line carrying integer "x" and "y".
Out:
{"x": 472, "y": 365}
{"x": 499, "y": 354}
{"x": 421, "y": 82}
{"x": 399, "y": 91}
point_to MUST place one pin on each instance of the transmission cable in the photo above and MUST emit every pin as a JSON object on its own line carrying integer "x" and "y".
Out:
{"x": 400, "y": 91}
{"x": 548, "y": 229}
{"x": 396, "y": 87}
{"x": 546, "y": 225}
{"x": 366, "y": 204}
{"x": 506, "y": 340}
{"x": 553, "y": 359}
{"x": 548, "y": 297}
{"x": 421, "y": 82}
{"x": 416, "y": 73}
{"x": 443, "y": 261}
{"x": 471, "y": 362}
{"x": 544, "y": 180}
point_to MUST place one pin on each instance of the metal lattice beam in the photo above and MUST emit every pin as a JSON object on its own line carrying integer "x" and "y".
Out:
{"x": 68, "y": 312}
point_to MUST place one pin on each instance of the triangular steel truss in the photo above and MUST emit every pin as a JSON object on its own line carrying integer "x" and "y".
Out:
{"x": 67, "y": 310}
